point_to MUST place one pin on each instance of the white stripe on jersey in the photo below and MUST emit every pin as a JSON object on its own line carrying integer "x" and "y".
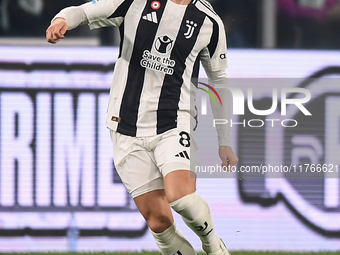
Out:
{"x": 169, "y": 26}
{"x": 122, "y": 64}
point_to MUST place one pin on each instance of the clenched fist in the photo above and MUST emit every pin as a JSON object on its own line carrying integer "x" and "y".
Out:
{"x": 228, "y": 157}
{"x": 56, "y": 30}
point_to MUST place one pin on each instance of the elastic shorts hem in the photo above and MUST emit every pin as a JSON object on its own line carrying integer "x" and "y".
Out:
{"x": 174, "y": 166}
{"x": 155, "y": 184}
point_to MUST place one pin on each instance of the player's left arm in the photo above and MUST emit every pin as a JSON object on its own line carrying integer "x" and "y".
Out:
{"x": 214, "y": 61}
{"x": 219, "y": 81}
{"x": 95, "y": 13}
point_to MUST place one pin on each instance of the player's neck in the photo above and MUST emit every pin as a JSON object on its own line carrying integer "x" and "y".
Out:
{"x": 182, "y": 2}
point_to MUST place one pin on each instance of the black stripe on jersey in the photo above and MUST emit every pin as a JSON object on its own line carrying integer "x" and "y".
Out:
{"x": 121, "y": 32}
{"x": 145, "y": 34}
{"x": 122, "y": 9}
{"x": 194, "y": 80}
{"x": 171, "y": 90}
{"x": 214, "y": 37}
{"x": 195, "y": 73}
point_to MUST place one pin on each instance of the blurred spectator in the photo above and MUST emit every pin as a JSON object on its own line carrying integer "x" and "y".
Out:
{"x": 301, "y": 23}
{"x": 32, "y": 17}
{"x": 52, "y": 7}
{"x": 239, "y": 17}
{"x": 308, "y": 24}
{"x": 21, "y": 17}
{"x": 334, "y": 14}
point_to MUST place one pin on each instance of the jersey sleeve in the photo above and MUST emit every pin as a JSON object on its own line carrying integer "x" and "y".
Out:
{"x": 104, "y": 13}
{"x": 214, "y": 56}
{"x": 214, "y": 60}
{"x": 97, "y": 13}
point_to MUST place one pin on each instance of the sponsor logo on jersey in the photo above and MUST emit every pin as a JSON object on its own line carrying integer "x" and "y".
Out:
{"x": 155, "y": 5}
{"x": 152, "y": 17}
{"x": 164, "y": 44}
{"x": 191, "y": 25}
{"x": 157, "y": 63}
{"x": 312, "y": 150}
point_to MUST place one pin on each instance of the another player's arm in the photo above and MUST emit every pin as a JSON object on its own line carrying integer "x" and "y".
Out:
{"x": 71, "y": 17}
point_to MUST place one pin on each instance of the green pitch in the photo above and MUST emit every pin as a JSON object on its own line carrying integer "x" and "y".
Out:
{"x": 238, "y": 253}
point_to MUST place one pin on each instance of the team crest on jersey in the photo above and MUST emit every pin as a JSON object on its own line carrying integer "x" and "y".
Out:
{"x": 191, "y": 25}
{"x": 164, "y": 44}
{"x": 155, "y": 5}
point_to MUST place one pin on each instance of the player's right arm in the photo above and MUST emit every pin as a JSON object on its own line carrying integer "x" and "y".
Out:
{"x": 93, "y": 12}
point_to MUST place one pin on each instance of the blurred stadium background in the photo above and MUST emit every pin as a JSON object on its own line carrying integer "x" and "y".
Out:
{"x": 59, "y": 190}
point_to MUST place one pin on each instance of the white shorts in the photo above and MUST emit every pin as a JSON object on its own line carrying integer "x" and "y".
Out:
{"x": 143, "y": 162}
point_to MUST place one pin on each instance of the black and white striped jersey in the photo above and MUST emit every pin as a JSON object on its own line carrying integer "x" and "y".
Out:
{"x": 160, "y": 43}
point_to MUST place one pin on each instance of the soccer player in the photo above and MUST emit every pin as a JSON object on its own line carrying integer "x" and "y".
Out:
{"x": 151, "y": 113}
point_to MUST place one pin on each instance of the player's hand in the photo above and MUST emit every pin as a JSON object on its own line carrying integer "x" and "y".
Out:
{"x": 56, "y": 30}
{"x": 228, "y": 157}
